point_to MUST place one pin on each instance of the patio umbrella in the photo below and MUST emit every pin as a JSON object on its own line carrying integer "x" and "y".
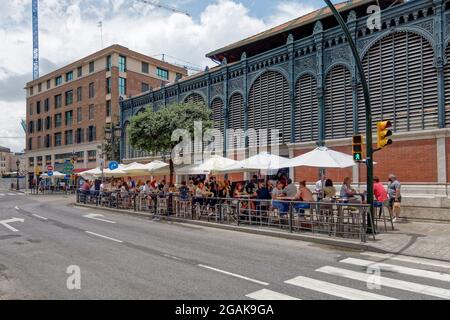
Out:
{"x": 262, "y": 161}
{"x": 136, "y": 169}
{"x": 119, "y": 172}
{"x": 57, "y": 174}
{"x": 322, "y": 157}
{"x": 91, "y": 173}
{"x": 214, "y": 164}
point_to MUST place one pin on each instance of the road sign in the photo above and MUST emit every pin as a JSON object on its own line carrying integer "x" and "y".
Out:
{"x": 113, "y": 165}
{"x": 50, "y": 173}
{"x": 49, "y": 168}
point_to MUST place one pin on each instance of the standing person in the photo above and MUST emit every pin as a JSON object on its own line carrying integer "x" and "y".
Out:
{"x": 395, "y": 198}
{"x": 251, "y": 186}
{"x": 318, "y": 187}
{"x": 184, "y": 191}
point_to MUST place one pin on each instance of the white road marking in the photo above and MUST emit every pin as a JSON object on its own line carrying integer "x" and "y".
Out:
{"x": 105, "y": 237}
{"x": 11, "y": 194}
{"x": 388, "y": 282}
{"x": 17, "y": 208}
{"x": 94, "y": 216}
{"x": 37, "y": 216}
{"x": 172, "y": 257}
{"x": 5, "y": 223}
{"x": 335, "y": 290}
{"x": 2, "y": 194}
{"x": 234, "y": 275}
{"x": 398, "y": 269}
{"x": 427, "y": 262}
{"x": 265, "y": 294}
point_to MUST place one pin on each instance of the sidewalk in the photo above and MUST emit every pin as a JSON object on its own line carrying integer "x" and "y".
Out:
{"x": 420, "y": 239}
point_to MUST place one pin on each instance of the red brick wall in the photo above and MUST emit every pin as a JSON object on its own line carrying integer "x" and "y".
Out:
{"x": 411, "y": 161}
{"x": 311, "y": 175}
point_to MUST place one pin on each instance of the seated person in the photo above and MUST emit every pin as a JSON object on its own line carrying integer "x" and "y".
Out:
{"x": 329, "y": 190}
{"x": 277, "y": 193}
{"x": 347, "y": 191}
{"x": 184, "y": 191}
{"x": 239, "y": 191}
{"x": 304, "y": 195}
{"x": 290, "y": 190}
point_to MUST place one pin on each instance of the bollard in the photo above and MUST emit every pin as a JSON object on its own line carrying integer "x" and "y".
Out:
{"x": 290, "y": 217}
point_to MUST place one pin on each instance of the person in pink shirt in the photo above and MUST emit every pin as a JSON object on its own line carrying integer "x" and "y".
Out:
{"x": 378, "y": 190}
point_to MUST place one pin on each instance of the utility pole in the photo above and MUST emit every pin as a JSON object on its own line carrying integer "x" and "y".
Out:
{"x": 365, "y": 87}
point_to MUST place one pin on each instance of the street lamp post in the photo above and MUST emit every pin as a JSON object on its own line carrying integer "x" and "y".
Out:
{"x": 17, "y": 174}
{"x": 365, "y": 87}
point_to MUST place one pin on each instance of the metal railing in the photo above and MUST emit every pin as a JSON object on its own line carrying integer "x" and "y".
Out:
{"x": 333, "y": 218}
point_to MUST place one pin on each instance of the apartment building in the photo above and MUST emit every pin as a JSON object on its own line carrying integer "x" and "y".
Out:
{"x": 5, "y": 160}
{"x": 67, "y": 109}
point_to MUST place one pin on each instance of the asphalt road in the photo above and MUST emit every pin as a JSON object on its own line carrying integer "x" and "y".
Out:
{"x": 128, "y": 257}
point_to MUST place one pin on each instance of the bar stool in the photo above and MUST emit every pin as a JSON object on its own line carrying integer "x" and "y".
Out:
{"x": 378, "y": 204}
{"x": 184, "y": 208}
{"x": 161, "y": 207}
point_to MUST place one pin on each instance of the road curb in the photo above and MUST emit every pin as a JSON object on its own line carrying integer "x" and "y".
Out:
{"x": 272, "y": 233}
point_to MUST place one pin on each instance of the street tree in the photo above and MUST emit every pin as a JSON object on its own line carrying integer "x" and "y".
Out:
{"x": 152, "y": 131}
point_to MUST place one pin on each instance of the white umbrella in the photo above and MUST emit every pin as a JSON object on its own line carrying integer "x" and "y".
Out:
{"x": 91, "y": 173}
{"x": 261, "y": 161}
{"x": 322, "y": 157}
{"x": 119, "y": 172}
{"x": 57, "y": 174}
{"x": 156, "y": 166}
{"x": 214, "y": 164}
{"x": 136, "y": 169}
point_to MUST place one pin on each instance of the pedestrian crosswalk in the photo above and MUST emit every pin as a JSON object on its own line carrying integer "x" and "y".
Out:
{"x": 10, "y": 194}
{"x": 373, "y": 277}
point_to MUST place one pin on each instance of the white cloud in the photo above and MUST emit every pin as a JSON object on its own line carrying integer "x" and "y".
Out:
{"x": 69, "y": 31}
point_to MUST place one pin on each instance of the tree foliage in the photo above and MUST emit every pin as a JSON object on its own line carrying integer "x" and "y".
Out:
{"x": 152, "y": 131}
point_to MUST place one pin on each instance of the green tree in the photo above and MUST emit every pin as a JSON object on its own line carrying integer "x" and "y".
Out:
{"x": 152, "y": 131}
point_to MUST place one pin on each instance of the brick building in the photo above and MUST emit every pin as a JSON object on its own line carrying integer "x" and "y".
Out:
{"x": 67, "y": 109}
{"x": 301, "y": 78}
{"x": 5, "y": 160}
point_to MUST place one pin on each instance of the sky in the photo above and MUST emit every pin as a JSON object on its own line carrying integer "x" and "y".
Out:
{"x": 69, "y": 31}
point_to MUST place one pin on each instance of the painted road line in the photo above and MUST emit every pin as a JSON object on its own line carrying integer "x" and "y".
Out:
{"x": 390, "y": 256}
{"x": 398, "y": 269}
{"x": 11, "y": 194}
{"x": 6, "y": 223}
{"x": 266, "y": 294}
{"x": 2, "y": 194}
{"x": 37, "y": 216}
{"x": 95, "y": 216}
{"x": 234, "y": 275}
{"x": 387, "y": 282}
{"x": 105, "y": 237}
{"x": 335, "y": 290}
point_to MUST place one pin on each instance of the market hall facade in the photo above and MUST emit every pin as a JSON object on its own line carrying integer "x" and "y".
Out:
{"x": 301, "y": 78}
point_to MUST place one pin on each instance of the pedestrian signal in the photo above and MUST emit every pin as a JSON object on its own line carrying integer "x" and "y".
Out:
{"x": 357, "y": 148}
{"x": 383, "y": 134}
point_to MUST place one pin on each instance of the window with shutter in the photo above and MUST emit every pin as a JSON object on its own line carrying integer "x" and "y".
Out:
{"x": 402, "y": 82}
{"x": 194, "y": 98}
{"x": 269, "y": 106}
{"x": 306, "y": 109}
{"x": 216, "y": 108}
{"x": 338, "y": 103}
{"x": 447, "y": 88}
{"x": 236, "y": 112}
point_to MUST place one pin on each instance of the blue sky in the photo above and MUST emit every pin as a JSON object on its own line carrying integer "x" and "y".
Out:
{"x": 69, "y": 31}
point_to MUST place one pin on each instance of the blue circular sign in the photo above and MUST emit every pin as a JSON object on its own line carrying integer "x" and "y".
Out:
{"x": 113, "y": 165}
{"x": 50, "y": 173}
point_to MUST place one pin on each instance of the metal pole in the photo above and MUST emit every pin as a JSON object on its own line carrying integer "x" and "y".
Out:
{"x": 17, "y": 176}
{"x": 365, "y": 87}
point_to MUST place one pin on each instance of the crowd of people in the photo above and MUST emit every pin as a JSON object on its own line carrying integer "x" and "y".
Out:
{"x": 277, "y": 192}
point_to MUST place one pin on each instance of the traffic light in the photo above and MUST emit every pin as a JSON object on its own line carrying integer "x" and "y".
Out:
{"x": 383, "y": 134}
{"x": 357, "y": 147}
